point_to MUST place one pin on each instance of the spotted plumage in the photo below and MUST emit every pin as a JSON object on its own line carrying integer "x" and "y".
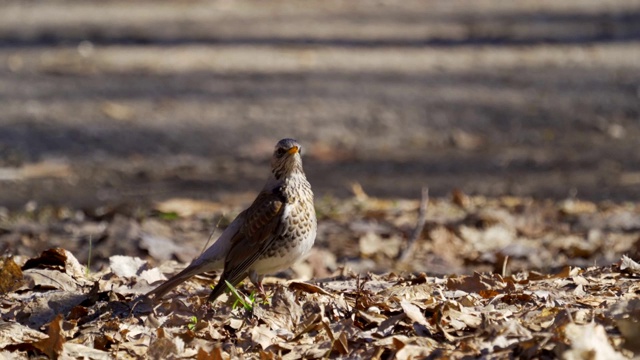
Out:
{"x": 275, "y": 231}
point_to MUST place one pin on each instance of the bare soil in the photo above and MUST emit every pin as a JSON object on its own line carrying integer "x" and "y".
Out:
{"x": 129, "y": 103}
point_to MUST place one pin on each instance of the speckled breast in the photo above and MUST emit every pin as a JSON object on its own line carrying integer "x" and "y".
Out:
{"x": 298, "y": 231}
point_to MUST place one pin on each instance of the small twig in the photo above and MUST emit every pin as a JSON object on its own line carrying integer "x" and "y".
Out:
{"x": 422, "y": 219}
{"x": 213, "y": 232}
{"x": 504, "y": 266}
{"x": 89, "y": 257}
{"x": 569, "y": 314}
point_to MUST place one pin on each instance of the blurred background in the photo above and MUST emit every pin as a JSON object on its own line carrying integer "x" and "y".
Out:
{"x": 105, "y": 102}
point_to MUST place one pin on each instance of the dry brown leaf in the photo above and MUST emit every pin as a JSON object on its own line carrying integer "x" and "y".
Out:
{"x": 185, "y": 207}
{"x": 386, "y": 327}
{"x": 373, "y": 286}
{"x": 479, "y": 283}
{"x": 321, "y": 263}
{"x": 117, "y": 111}
{"x": 575, "y": 207}
{"x": 576, "y": 246}
{"x": 284, "y": 313}
{"x": 50, "y": 279}
{"x": 161, "y": 348}
{"x": 52, "y": 346}
{"x": 236, "y": 323}
{"x": 494, "y": 238}
{"x": 416, "y": 292}
{"x": 214, "y": 354}
{"x": 630, "y": 330}
{"x": 263, "y": 336}
{"x": 159, "y": 247}
{"x": 393, "y": 342}
{"x": 410, "y": 352}
{"x": 371, "y": 317}
{"x": 308, "y": 288}
{"x": 358, "y": 192}
{"x": 309, "y": 351}
{"x": 309, "y": 323}
{"x": 567, "y": 271}
{"x": 463, "y": 317}
{"x": 340, "y": 342}
{"x": 514, "y": 329}
{"x": 413, "y": 312}
{"x": 627, "y": 264}
{"x": 79, "y": 351}
{"x": 267, "y": 355}
{"x": 43, "y": 169}
{"x": 10, "y": 276}
{"x": 588, "y": 342}
{"x": 370, "y": 243}
{"x": 127, "y": 266}
{"x": 461, "y": 199}
{"x": 15, "y": 334}
{"x": 57, "y": 259}
{"x": 347, "y": 327}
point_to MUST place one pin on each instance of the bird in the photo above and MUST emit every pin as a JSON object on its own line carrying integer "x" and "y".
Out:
{"x": 275, "y": 231}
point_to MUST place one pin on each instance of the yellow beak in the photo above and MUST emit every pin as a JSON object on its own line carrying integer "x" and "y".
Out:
{"x": 293, "y": 150}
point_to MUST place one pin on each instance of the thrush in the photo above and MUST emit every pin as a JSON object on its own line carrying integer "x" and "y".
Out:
{"x": 270, "y": 235}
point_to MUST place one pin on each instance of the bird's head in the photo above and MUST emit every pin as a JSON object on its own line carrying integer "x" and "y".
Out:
{"x": 286, "y": 158}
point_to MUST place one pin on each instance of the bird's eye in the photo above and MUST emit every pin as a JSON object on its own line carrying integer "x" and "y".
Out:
{"x": 280, "y": 152}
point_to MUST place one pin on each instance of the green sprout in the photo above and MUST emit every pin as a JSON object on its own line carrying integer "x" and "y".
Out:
{"x": 246, "y": 302}
{"x": 169, "y": 216}
{"x": 193, "y": 321}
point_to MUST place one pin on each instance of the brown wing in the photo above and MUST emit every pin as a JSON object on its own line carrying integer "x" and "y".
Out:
{"x": 262, "y": 225}
{"x": 261, "y": 219}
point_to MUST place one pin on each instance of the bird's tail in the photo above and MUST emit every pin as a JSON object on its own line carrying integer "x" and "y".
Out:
{"x": 218, "y": 290}
{"x": 212, "y": 259}
{"x": 174, "y": 281}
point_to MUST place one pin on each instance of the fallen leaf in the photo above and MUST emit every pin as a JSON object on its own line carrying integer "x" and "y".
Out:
{"x": 185, "y": 207}
{"x": 630, "y": 266}
{"x": 117, "y": 111}
{"x": 79, "y": 351}
{"x": 308, "y": 288}
{"x": 413, "y": 312}
{"x": 630, "y": 330}
{"x": 49, "y": 279}
{"x": 478, "y": 283}
{"x": 12, "y": 333}
{"x": 53, "y": 345}
{"x": 588, "y": 342}
{"x": 263, "y": 336}
{"x": 10, "y": 276}
{"x": 127, "y": 266}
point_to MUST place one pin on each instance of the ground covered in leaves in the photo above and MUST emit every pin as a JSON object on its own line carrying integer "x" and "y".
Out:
{"x": 440, "y": 278}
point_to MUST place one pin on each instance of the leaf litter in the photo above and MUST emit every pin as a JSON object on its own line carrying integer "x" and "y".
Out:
{"x": 388, "y": 279}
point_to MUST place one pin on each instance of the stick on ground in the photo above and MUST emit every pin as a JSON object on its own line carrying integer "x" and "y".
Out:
{"x": 422, "y": 219}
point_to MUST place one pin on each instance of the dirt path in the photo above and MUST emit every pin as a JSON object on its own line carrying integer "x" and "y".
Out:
{"x": 121, "y": 102}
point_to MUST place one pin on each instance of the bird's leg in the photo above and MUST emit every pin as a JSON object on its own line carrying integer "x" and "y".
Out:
{"x": 257, "y": 281}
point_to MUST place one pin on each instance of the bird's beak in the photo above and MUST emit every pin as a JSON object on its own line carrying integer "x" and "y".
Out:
{"x": 293, "y": 150}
